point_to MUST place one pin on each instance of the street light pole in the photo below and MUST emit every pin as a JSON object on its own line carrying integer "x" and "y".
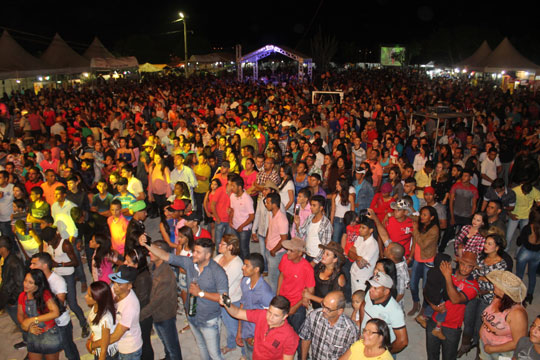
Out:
{"x": 183, "y": 19}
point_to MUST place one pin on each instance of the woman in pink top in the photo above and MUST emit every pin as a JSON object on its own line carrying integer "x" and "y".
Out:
{"x": 159, "y": 178}
{"x": 504, "y": 321}
{"x": 249, "y": 174}
{"x": 104, "y": 258}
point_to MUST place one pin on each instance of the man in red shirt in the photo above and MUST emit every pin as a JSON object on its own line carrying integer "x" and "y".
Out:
{"x": 296, "y": 275}
{"x": 400, "y": 226}
{"x": 33, "y": 179}
{"x": 461, "y": 288}
{"x": 274, "y": 338}
{"x": 192, "y": 221}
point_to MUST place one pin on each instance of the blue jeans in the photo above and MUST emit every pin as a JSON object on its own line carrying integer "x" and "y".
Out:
{"x": 72, "y": 299}
{"x": 70, "y": 349}
{"x": 207, "y": 337}
{"x": 419, "y": 271}
{"x": 12, "y": 312}
{"x": 296, "y": 320}
{"x": 511, "y": 229}
{"x": 221, "y": 229}
{"x": 473, "y": 318}
{"x": 231, "y": 324}
{"x": 273, "y": 267}
{"x": 136, "y": 355}
{"x": 244, "y": 238}
{"x": 339, "y": 229}
{"x": 168, "y": 335}
{"x": 79, "y": 270}
{"x": 434, "y": 344}
{"x": 526, "y": 257}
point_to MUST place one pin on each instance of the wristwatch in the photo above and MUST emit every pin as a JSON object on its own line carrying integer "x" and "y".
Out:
{"x": 36, "y": 321}
{"x": 201, "y": 294}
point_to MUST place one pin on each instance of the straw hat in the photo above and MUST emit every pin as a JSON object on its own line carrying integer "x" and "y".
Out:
{"x": 509, "y": 283}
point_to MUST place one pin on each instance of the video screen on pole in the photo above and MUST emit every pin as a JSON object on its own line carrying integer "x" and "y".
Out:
{"x": 392, "y": 55}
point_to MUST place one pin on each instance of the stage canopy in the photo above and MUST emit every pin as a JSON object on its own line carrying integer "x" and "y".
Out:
{"x": 255, "y": 56}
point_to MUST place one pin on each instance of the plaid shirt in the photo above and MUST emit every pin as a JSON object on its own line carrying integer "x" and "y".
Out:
{"x": 482, "y": 270}
{"x": 474, "y": 244}
{"x": 262, "y": 176}
{"x": 328, "y": 342}
{"x": 325, "y": 232}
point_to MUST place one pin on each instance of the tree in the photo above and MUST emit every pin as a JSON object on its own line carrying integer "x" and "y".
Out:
{"x": 323, "y": 49}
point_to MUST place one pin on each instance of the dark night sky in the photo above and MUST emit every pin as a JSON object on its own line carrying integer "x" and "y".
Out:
{"x": 256, "y": 23}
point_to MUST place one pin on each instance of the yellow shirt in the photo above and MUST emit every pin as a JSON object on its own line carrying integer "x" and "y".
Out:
{"x": 422, "y": 180}
{"x": 203, "y": 185}
{"x": 524, "y": 202}
{"x": 357, "y": 353}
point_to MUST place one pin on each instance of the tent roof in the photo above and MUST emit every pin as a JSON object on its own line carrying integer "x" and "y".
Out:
{"x": 506, "y": 57}
{"x": 60, "y": 55}
{"x": 97, "y": 50}
{"x": 15, "y": 58}
{"x": 476, "y": 58}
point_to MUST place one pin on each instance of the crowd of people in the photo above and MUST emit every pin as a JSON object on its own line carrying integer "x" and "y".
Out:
{"x": 357, "y": 201}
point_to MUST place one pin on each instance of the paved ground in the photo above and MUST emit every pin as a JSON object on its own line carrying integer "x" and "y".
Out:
{"x": 9, "y": 335}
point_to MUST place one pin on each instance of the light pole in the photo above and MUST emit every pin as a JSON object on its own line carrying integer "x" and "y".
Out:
{"x": 183, "y": 19}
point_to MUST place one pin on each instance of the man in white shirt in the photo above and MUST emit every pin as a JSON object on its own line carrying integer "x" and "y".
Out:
{"x": 185, "y": 174}
{"x": 43, "y": 261}
{"x": 61, "y": 213}
{"x": 6, "y": 204}
{"x": 128, "y": 331}
{"x": 135, "y": 185}
{"x": 489, "y": 169}
{"x": 364, "y": 253}
{"x": 241, "y": 214}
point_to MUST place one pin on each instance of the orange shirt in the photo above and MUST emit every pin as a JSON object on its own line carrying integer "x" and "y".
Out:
{"x": 48, "y": 191}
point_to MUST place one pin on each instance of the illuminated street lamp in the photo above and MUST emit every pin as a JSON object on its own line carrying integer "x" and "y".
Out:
{"x": 182, "y": 18}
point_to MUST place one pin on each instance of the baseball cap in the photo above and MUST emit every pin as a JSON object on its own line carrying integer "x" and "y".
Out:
{"x": 429, "y": 190}
{"x": 177, "y": 205}
{"x": 124, "y": 275}
{"x": 137, "y": 206}
{"x": 381, "y": 279}
{"x": 192, "y": 217}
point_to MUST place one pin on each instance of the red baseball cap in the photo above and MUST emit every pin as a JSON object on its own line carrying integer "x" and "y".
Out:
{"x": 177, "y": 205}
{"x": 429, "y": 190}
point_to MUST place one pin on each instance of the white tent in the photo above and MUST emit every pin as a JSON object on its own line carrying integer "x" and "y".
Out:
{"x": 506, "y": 57}
{"x": 114, "y": 63}
{"x": 473, "y": 62}
{"x": 15, "y": 62}
{"x": 63, "y": 58}
{"x": 97, "y": 50}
